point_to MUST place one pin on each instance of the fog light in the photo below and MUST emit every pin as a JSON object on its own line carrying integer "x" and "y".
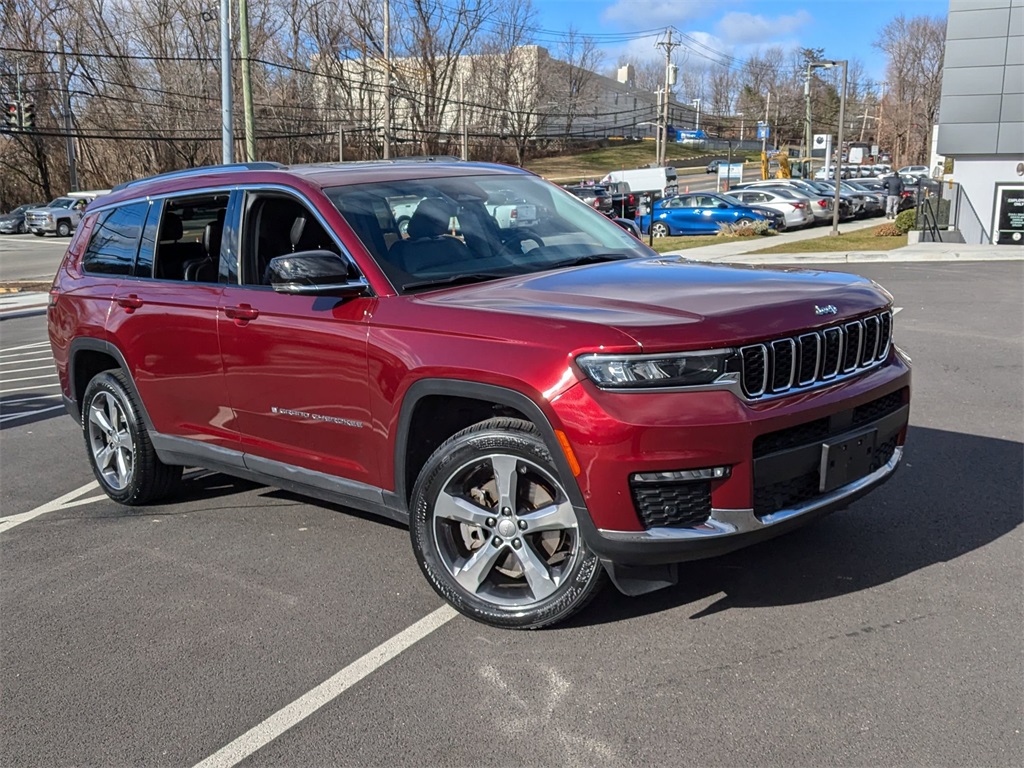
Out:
{"x": 682, "y": 475}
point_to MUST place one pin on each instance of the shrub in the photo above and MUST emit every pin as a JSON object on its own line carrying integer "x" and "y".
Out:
{"x": 887, "y": 230}
{"x": 905, "y": 221}
{"x": 757, "y": 228}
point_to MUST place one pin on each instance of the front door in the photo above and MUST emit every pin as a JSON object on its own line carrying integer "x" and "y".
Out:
{"x": 296, "y": 366}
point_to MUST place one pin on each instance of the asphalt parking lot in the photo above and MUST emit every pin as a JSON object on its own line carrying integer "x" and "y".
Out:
{"x": 244, "y": 624}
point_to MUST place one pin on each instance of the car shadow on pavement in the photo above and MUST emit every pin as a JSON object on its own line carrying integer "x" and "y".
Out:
{"x": 20, "y": 409}
{"x": 954, "y": 494}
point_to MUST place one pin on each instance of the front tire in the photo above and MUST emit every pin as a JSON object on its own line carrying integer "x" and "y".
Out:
{"x": 660, "y": 229}
{"x": 118, "y": 445}
{"x": 63, "y": 229}
{"x": 495, "y": 533}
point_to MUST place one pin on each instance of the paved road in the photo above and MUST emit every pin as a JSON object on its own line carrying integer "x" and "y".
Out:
{"x": 27, "y": 257}
{"x": 886, "y": 634}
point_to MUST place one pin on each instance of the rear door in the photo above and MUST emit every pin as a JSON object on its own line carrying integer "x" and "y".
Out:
{"x": 166, "y": 325}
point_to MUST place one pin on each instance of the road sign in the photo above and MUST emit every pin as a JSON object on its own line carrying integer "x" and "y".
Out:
{"x": 763, "y": 131}
{"x": 732, "y": 172}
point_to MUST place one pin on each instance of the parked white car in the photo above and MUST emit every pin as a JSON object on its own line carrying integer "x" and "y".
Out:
{"x": 914, "y": 170}
{"x": 794, "y": 206}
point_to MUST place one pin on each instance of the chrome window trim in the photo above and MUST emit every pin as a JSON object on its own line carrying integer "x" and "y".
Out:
{"x": 244, "y": 187}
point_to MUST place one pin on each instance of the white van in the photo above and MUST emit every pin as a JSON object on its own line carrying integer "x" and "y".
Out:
{"x": 661, "y": 181}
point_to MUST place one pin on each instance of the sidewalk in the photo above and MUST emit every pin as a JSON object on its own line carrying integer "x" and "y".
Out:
{"x": 738, "y": 250}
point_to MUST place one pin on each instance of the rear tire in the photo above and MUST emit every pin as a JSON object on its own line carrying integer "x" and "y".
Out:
{"x": 118, "y": 445}
{"x": 494, "y": 532}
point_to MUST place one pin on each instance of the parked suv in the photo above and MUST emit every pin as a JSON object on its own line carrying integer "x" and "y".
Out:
{"x": 542, "y": 411}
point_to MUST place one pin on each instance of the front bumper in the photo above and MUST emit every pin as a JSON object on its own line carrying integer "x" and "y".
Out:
{"x": 773, "y": 461}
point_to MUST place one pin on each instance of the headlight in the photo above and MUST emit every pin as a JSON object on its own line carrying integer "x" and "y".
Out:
{"x": 681, "y": 369}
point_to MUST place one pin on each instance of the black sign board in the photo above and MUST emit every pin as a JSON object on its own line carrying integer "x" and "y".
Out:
{"x": 1009, "y": 215}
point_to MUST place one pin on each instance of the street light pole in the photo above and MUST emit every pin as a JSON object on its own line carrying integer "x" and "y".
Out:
{"x": 696, "y": 103}
{"x": 839, "y": 150}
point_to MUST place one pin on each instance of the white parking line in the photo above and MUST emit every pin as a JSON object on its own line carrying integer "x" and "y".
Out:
{"x": 279, "y": 722}
{"x": 29, "y": 378}
{"x": 26, "y": 389}
{"x": 13, "y": 521}
{"x": 12, "y": 416}
{"x": 35, "y": 345}
{"x": 22, "y": 361}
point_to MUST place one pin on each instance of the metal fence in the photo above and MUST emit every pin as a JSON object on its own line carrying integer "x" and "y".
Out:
{"x": 945, "y": 213}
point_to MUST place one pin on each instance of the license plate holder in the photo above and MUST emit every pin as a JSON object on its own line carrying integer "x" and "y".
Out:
{"x": 846, "y": 460}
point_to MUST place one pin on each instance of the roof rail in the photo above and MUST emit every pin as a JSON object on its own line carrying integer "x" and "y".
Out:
{"x": 202, "y": 171}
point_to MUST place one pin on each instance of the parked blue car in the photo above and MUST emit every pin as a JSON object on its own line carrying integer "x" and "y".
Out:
{"x": 700, "y": 213}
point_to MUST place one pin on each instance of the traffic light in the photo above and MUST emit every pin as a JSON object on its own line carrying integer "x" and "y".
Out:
{"x": 28, "y": 116}
{"x": 12, "y": 116}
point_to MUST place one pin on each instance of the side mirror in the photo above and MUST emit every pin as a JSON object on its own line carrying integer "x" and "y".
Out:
{"x": 314, "y": 273}
{"x": 723, "y": 205}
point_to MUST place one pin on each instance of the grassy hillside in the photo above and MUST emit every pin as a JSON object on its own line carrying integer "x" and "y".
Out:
{"x": 594, "y": 164}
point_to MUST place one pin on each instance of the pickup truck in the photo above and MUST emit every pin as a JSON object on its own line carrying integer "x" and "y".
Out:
{"x": 61, "y": 216}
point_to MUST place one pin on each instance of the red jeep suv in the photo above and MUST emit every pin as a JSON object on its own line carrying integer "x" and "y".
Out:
{"x": 544, "y": 406}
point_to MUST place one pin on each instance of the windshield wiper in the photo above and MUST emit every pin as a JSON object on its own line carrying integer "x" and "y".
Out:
{"x": 472, "y": 277}
{"x": 593, "y": 258}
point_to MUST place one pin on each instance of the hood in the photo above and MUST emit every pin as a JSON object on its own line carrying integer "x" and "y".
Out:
{"x": 674, "y": 303}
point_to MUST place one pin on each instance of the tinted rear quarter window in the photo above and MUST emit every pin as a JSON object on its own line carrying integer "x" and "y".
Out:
{"x": 115, "y": 241}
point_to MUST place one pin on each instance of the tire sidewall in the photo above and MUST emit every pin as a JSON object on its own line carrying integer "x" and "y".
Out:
{"x": 63, "y": 229}
{"x": 579, "y": 583}
{"x": 109, "y": 383}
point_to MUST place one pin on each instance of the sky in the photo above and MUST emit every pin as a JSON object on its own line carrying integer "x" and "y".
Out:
{"x": 846, "y": 29}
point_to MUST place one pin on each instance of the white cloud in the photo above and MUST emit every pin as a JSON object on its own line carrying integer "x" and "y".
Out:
{"x": 645, "y": 14}
{"x": 752, "y": 29}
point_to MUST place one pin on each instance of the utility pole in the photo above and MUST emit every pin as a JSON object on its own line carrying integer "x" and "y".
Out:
{"x": 387, "y": 80}
{"x": 670, "y": 80}
{"x": 462, "y": 114}
{"x": 657, "y": 132}
{"x": 227, "y": 138}
{"x": 764, "y": 137}
{"x": 66, "y": 109}
{"x": 243, "y": 42}
{"x": 341, "y": 143}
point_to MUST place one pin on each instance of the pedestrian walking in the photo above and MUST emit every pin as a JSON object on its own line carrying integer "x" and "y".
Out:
{"x": 893, "y": 193}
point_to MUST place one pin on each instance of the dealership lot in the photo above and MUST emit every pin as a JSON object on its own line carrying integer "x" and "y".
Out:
{"x": 888, "y": 633}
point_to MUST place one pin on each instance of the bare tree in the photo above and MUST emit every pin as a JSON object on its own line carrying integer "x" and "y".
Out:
{"x": 579, "y": 61}
{"x": 915, "y": 48}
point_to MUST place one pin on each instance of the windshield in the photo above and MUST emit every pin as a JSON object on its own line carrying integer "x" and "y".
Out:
{"x": 61, "y": 202}
{"x": 735, "y": 202}
{"x": 431, "y": 233}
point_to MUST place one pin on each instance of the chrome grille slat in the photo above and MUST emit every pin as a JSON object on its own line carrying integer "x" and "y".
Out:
{"x": 794, "y": 363}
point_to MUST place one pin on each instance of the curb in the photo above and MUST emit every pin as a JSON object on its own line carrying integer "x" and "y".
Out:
{"x": 852, "y": 257}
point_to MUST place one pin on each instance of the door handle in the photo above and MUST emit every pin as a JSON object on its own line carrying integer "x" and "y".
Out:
{"x": 242, "y": 312}
{"x": 131, "y": 302}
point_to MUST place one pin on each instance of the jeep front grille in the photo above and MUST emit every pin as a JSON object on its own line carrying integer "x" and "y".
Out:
{"x": 780, "y": 365}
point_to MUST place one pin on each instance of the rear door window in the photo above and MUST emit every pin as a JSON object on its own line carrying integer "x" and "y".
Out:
{"x": 115, "y": 241}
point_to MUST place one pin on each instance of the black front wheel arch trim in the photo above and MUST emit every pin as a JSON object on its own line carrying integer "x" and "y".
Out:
{"x": 495, "y": 394}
